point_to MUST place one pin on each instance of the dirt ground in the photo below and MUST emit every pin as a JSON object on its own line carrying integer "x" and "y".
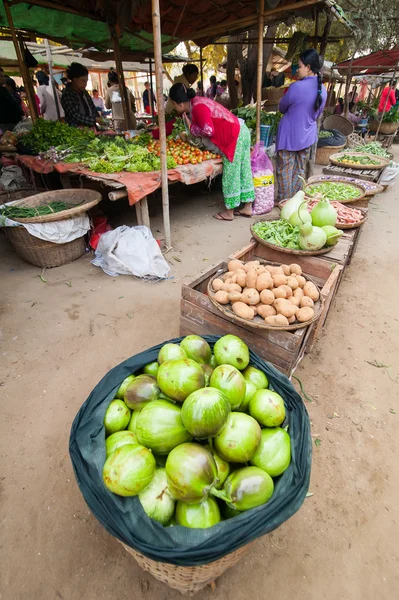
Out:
{"x": 60, "y": 337}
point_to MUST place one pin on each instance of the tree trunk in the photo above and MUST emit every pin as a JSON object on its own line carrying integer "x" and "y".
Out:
{"x": 250, "y": 64}
{"x": 234, "y": 50}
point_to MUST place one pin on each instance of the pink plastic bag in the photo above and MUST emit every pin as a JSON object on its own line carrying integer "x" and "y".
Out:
{"x": 263, "y": 178}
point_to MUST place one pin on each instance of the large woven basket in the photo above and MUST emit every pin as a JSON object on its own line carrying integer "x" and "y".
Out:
{"x": 80, "y": 201}
{"x": 188, "y": 580}
{"x": 340, "y": 123}
{"x": 42, "y": 253}
{"x": 323, "y": 154}
{"x": 385, "y": 128}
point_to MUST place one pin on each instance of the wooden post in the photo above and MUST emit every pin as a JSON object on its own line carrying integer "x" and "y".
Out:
{"x": 347, "y": 84}
{"x": 18, "y": 45}
{"x": 156, "y": 28}
{"x": 151, "y": 93}
{"x": 202, "y": 72}
{"x": 121, "y": 77}
{"x": 261, "y": 27}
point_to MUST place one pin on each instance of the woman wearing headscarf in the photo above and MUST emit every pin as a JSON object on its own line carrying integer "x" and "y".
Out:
{"x": 301, "y": 107}
{"x": 223, "y": 133}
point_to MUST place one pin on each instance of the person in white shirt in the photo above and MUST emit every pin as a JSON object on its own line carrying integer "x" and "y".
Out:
{"x": 47, "y": 104}
{"x": 98, "y": 101}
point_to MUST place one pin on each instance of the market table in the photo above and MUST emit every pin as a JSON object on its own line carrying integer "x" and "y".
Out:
{"x": 136, "y": 186}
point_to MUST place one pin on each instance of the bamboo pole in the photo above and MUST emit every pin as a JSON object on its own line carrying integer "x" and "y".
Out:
{"x": 152, "y": 107}
{"x": 261, "y": 27}
{"x": 202, "y": 72}
{"x": 121, "y": 77}
{"x": 156, "y": 28}
{"x": 18, "y": 45}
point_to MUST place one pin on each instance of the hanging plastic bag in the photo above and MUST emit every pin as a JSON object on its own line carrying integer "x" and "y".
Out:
{"x": 390, "y": 174}
{"x": 263, "y": 178}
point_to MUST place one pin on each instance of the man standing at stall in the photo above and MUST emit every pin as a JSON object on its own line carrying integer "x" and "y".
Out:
{"x": 147, "y": 95}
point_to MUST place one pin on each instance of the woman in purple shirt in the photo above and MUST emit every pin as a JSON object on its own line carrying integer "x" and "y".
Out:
{"x": 301, "y": 107}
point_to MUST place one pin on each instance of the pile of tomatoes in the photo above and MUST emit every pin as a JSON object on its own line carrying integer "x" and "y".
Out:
{"x": 182, "y": 152}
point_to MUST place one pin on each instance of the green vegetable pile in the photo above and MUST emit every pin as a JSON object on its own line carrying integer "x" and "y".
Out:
{"x": 197, "y": 435}
{"x": 332, "y": 191}
{"x": 45, "y": 134}
{"x": 325, "y": 134}
{"x": 373, "y": 148}
{"x": 26, "y": 212}
{"x": 280, "y": 233}
{"x": 112, "y": 155}
{"x": 357, "y": 160}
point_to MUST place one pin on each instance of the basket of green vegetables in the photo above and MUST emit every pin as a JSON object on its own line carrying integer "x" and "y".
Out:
{"x": 55, "y": 205}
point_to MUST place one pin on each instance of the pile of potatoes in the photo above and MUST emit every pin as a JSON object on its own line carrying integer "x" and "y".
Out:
{"x": 279, "y": 295}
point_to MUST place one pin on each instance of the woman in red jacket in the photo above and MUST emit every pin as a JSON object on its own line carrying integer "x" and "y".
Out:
{"x": 388, "y": 92}
{"x": 223, "y": 133}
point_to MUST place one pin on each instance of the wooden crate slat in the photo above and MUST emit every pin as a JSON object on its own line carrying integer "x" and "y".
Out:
{"x": 279, "y": 343}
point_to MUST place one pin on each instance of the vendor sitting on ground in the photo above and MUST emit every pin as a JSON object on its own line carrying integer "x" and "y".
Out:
{"x": 76, "y": 101}
{"x": 223, "y": 133}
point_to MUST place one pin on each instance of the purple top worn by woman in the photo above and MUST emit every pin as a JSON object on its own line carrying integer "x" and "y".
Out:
{"x": 298, "y": 127}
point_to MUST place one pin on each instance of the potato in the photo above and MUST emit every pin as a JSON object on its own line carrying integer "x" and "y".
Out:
{"x": 292, "y": 319}
{"x": 251, "y": 265}
{"x": 266, "y": 311}
{"x": 295, "y": 269}
{"x": 243, "y": 311}
{"x": 305, "y": 314}
{"x": 280, "y": 292}
{"x": 260, "y": 269}
{"x": 277, "y": 271}
{"x": 234, "y": 297}
{"x": 269, "y": 268}
{"x": 242, "y": 279}
{"x": 298, "y": 293}
{"x": 264, "y": 282}
{"x": 217, "y": 284}
{"x": 286, "y": 270}
{"x": 250, "y": 296}
{"x": 301, "y": 280}
{"x": 235, "y": 264}
{"x": 277, "y": 320}
{"x": 284, "y": 307}
{"x": 295, "y": 301}
{"x": 288, "y": 290}
{"x": 221, "y": 297}
{"x": 306, "y": 301}
{"x": 309, "y": 289}
{"x": 279, "y": 280}
{"x": 292, "y": 282}
{"x": 251, "y": 278}
{"x": 267, "y": 297}
{"x": 233, "y": 278}
{"x": 231, "y": 287}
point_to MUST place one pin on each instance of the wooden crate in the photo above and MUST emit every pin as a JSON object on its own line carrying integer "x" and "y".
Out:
{"x": 367, "y": 174}
{"x": 284, "y": 349}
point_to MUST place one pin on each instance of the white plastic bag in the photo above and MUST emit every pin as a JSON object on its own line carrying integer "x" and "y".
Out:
{"x": 131, "y": 251}
{"x": 390, "y": 174}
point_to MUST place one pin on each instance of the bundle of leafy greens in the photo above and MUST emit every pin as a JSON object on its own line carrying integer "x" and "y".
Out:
{"x": 45, "y": 134}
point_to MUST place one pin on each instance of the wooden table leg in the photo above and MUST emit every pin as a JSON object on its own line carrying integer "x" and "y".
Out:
{"x": 145, "y": 215}
{"x": 137, "y": 206}
{"x": 65, "y": 181}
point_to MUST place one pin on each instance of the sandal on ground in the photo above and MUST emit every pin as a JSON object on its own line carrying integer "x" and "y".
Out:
{"x": 238, "y": 213}
{"x": 220, "y": 217}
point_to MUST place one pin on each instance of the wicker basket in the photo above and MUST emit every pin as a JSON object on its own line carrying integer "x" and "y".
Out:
{"x": 323, "y": 154}
{"x": 273, "y": 95}
{"x": 42, "y": 253}
{"x": 83, "y": 199}
{"x": 340, "y": 123}
{"x": 188, "y": 580}
{"x": 385, "y": 128}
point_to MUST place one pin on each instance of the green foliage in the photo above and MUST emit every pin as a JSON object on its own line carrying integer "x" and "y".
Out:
{"x": 45, "y": 134}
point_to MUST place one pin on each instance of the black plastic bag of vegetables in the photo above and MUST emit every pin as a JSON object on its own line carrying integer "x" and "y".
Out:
{"x": 125, "y": 518}
{"x": 336, "y": 139}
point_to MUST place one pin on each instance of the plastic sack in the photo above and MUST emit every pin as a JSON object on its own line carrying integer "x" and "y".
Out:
{"x": 131, "y": 251}
{"x": 125, "y": 518}
{"x": 263, "y": 178}
{"x": 390, "y": 174}
{"x": 337, "y": 139}
{"x": 100, "y": 226}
